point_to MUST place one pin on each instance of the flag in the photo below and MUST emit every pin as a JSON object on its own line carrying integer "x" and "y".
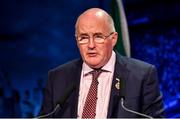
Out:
{"x": 118, "y": 15}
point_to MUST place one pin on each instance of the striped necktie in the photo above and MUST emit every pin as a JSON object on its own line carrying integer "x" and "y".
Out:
{"x": 89, "y": 110}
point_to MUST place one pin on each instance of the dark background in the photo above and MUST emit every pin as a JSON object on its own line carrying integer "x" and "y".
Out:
{"x": 38, "y": 35}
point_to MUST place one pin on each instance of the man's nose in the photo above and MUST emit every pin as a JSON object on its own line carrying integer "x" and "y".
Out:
{"x": 91, "y": 43}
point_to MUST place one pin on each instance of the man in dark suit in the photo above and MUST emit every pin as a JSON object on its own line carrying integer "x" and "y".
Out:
{"x": 120, "y": 77}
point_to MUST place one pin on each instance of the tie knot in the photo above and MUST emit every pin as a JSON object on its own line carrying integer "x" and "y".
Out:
{"x": 95, "y": 73}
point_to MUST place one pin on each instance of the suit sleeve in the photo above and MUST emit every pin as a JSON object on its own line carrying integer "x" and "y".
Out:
{"x": 47, "y": 105}
{"x": 152, "y": 97}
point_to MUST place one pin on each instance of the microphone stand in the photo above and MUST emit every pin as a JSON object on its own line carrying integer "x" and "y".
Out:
{"x": 125, "y": 108}
{"x": 46, "y": 115}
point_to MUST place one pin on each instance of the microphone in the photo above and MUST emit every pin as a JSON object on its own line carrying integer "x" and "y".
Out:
{"x": 61, "y": 101}
{"x": 48, "y": 114}
{"x": 122, "y": 97}
{"x": 132, "y": 111}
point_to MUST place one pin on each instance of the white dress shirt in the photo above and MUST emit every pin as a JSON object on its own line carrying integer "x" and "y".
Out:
{"x": 104, "y": 87}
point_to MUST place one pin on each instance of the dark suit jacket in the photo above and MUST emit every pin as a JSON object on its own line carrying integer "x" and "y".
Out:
{"x": 141, "y": 89}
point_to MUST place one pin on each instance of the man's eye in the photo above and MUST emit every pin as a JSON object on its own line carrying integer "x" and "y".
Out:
{"x": 83, "y": 38}
{"x": 98, "y": 36}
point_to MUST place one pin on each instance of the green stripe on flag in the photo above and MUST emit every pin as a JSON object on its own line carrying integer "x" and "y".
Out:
{"x": 123, "y": 45}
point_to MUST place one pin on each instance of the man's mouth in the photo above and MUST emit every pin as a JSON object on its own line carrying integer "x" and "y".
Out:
{"x": 92, "y": 54}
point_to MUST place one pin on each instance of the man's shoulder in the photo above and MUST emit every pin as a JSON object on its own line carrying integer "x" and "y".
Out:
{"x": 131, "y": 63}
{"x": 137, "y": 68}
{"x": 76, "y": 63}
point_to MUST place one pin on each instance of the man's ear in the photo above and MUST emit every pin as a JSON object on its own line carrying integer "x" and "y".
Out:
{"x": 114, "y": 38}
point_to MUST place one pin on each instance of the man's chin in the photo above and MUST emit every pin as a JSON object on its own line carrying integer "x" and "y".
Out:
{"x": 93, "y": 65}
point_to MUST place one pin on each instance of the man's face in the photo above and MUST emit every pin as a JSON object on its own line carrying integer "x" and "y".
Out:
{"x": 95, "y": 54}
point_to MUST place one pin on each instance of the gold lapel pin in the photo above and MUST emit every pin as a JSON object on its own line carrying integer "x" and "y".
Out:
{"x": 117, "y": 85}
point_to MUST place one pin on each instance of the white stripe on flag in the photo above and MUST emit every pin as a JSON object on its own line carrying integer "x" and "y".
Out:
{"x": 124, "y": 28}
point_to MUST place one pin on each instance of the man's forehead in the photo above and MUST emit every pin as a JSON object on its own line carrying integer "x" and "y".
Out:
{"x": 93, "y": 13}
{"x": 92, "y": 20}
{"x": 99, "y": 14}
{"x": 94, "y": 33}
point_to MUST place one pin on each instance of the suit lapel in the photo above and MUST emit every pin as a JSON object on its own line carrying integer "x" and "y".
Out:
{"x": 121, "y": 72}
{"x": 76, "y": 76}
